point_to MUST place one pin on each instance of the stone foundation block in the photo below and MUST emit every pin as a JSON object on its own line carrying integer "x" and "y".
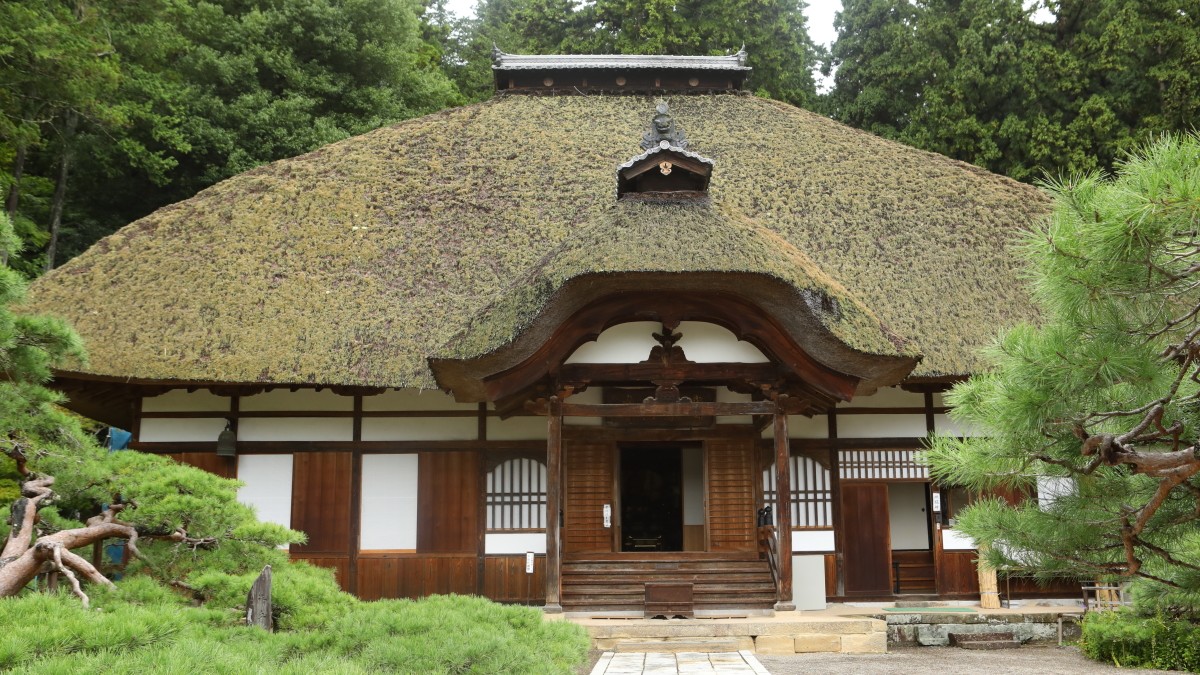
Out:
{"x": 806, "y": 644}
{"x": 774, "y": 644}
{"x": 871, "y": 643}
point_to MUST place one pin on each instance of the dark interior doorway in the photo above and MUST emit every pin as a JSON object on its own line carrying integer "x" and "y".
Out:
{"x": 651, "y": 499}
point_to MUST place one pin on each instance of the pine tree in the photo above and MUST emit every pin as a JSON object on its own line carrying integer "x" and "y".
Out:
{"x": 1102, "y": 399}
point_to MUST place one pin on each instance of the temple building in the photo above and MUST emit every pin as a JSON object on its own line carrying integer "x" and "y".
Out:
{"x": 622, "y": 340}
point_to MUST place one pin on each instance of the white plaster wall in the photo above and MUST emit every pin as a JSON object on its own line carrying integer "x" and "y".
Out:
{"x": 702, "y": 342}
{"x": 812, "y": 540}
{"x": 531, "y": 428}
{"x": 808, "y": 581}
{"x": 267, "y": 486}
{"x": 498, "y": 543}
{"x": 953, "y": 540}
{"x": 389, "y": 503}
{"x": 301, "y": 399}
{"x": 420, "y": 428}
{"x": 888, "y": 397}
{"x": 800, "y": 426}
{"x": 179, "y": 400}
{"x": 693, "y": 486}
{"x": 906, "y": 511}
{"x": 295, "y": 429}
{"x": 724, "y": 395}
{"x": 881, "y": 426}
{"x": 944, "y": 424}
{"x": 1050, "y": 488}
{"x": 181, "y": 430}
{"x": 414, "y": 399}
{"x": 589, "y": 395}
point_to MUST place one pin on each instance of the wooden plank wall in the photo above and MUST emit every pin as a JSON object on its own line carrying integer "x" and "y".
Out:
{"x": 321, "y": 496}
{"x": 957, "y": 575}
{"x": 448, "y": 499}
{"x": 589, "y": 486}
{"x": 505, "y": 580}
{"x": 340, "y": 564}
{"x": 225, "y": 467}
{"x": 731, "y": 495}
{"x": 383, "y": 575}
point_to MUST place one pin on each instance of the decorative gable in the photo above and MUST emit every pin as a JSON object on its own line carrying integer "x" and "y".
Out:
{"x": 666, "y": 171}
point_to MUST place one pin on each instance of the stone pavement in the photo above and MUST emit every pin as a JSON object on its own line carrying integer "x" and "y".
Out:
{"x": 683, "y": 663}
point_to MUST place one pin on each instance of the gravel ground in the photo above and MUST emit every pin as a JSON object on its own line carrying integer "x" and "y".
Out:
{"x": 1027, "y": 660}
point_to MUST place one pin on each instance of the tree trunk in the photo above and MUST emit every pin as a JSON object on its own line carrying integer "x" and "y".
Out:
{"x": 25, "y": 554}
{"x": 60, "y": 186}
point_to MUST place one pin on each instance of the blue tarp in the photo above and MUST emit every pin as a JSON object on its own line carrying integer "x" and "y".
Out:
{"x": 118, "y": 439}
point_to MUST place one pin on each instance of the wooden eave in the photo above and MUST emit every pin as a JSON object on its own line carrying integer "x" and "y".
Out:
{"x": 807, "y": 361}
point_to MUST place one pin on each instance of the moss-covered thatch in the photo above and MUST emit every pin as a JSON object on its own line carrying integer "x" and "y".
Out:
{"x": 640, "y": 237}
{"x": 355, "y": 263}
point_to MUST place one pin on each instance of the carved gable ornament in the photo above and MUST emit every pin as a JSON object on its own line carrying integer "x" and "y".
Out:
{"x": 666, "y": 171}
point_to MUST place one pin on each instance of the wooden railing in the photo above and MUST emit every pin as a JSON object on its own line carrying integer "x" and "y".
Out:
{"x": 768, "y": 543}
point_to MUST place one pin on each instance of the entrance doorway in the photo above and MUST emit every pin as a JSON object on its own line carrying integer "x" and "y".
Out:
{"x": 651, "y": 498}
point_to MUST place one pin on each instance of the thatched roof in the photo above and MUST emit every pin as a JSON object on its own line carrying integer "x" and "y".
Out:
{"x": 356, "y": 263}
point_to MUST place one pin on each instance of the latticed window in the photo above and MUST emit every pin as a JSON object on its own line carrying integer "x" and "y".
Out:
{"x": 811, "y": 498}
{"x": 881, "y": 465}
{"x": 516, "y": 495}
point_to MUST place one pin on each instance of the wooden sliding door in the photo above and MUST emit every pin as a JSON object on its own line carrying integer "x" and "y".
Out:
{"x": 866, "y": 538}
{"x": 589, "y": 486}
{"x": 731, "y": 495}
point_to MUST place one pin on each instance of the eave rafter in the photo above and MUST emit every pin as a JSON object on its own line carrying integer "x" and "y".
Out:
{"x": 544, "y": 372}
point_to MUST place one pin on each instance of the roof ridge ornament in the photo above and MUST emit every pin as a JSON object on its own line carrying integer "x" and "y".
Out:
{"x": 664, "y": 130}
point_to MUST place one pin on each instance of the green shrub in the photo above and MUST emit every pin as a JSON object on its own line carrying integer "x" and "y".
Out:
{"x": 142, "y": 627}
{"x": 1129, "y": 640}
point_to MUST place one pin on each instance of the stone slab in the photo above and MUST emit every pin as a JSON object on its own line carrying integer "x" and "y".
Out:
{"x": 706, "y": 628}
{"x": 774, "y": 644}
{"x": 872, "y": 643}
{"x": 809, "y": 644}
{"x": 675, "y": 646}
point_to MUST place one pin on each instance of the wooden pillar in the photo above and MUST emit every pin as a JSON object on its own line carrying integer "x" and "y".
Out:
{"x": 783, "y": 513}
{"x": 553, "y": 506}
{"x": 835, "y": 495}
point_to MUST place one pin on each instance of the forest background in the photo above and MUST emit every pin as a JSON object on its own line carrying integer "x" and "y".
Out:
{"x": 110, "y": 109}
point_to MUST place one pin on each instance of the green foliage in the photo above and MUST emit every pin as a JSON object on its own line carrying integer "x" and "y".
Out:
{"x": 30, "y": 345}
{"x": 774, "y": 33}
{"x": 170, "y": 96}
{"x": 140, "y": 627}
{"x": 982, "y": 81}
{"x": 1115, "y": 271}
{"x": 1131, "y": 641}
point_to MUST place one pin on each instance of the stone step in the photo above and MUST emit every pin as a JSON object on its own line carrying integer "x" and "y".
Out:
{"x": 984, "y": 641}
{"x": 678, "y": 645}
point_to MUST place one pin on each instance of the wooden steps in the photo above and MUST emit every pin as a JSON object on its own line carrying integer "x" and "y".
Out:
{"x": 913, "y": 573}
{"x": 617, "y": 582}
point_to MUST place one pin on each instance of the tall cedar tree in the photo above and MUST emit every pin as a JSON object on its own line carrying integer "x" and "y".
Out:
{"x": 774, "y": 32}
{"x": 984, "y": 82}
{"x": 191, "y": 93}
{"x": 1101, "y": 401}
